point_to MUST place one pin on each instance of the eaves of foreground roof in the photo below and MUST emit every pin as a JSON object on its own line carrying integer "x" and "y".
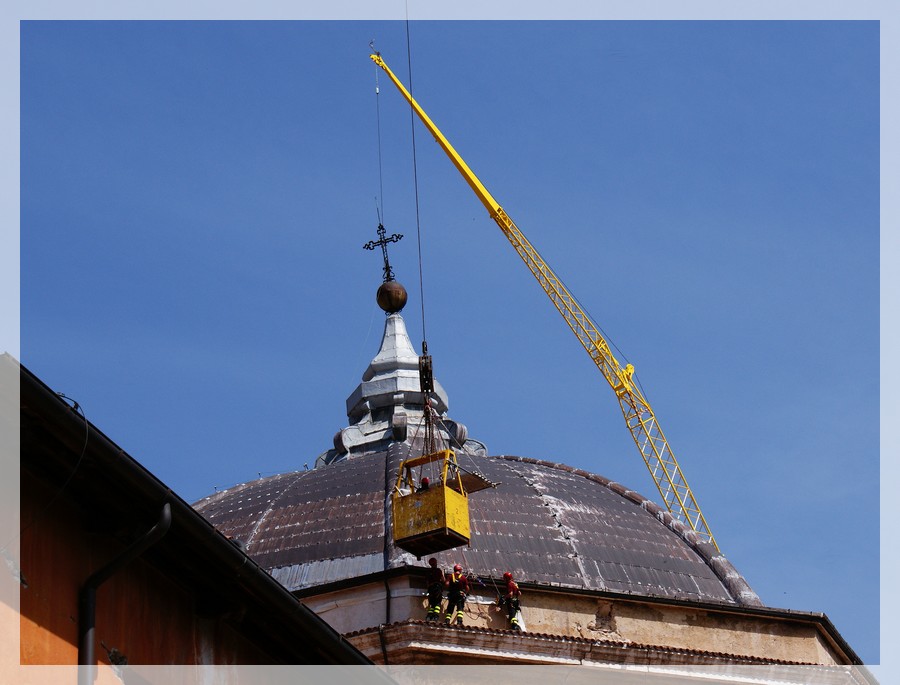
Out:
{"x": 59, "y": 445}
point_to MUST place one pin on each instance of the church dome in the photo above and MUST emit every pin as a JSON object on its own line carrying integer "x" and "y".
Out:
{"x": 545, "y": 522}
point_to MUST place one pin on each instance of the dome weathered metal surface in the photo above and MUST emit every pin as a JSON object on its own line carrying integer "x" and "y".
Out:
{"x": 547, "y": 523}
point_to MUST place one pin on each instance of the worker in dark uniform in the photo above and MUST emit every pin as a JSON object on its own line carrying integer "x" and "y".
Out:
{"x": 457, "y": 589}
{"x": 435, "y": 590}
{"x": 511, "y": 601}
{"x": 424, "y": 484}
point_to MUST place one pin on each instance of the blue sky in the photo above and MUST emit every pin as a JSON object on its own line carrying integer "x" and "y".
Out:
{"x": 195, "y": 197}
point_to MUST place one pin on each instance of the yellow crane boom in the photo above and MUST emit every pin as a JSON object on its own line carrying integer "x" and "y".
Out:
{"x": 639, "y": 416}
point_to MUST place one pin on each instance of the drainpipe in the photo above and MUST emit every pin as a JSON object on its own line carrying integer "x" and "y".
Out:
{"x": 87, "y": 596}
{"x": 384, "y": 652}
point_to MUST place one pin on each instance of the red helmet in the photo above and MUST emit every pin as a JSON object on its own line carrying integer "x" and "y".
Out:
{"x": 507, "y": 576}
{"x": 432, "y": 562}
{"x": 457, "y": 568}
{"x": 425, "y": 480}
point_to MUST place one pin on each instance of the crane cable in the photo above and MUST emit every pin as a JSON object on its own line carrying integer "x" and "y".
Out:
{"x": 379, "y": 211}
{"x": 425, "y": 369}
{"x": 412, "y": 128}
{"x": 425, "y": 359}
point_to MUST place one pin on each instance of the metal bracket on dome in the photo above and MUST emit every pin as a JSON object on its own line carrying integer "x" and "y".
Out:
{"x": 472, "y": 481}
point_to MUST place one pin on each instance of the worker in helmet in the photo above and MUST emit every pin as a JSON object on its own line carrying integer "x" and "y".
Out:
{"x": 424, "y": 484}
{"x": 435, "y": 590}
{"x": 511, "y": 600}
{"x": 457, "y": 588}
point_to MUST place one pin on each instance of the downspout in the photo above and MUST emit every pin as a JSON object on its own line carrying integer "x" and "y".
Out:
{"x": 388, "y": 538}
{"x": 87, "y": 596}
{"x": 388, "y": 532}
{"x": 384, "y": 652}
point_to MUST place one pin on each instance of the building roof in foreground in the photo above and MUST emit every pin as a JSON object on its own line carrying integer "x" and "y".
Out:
{"x": 119, "y": 498}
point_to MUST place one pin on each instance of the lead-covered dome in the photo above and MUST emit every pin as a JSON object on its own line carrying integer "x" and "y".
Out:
{"x": 547, "y": 523}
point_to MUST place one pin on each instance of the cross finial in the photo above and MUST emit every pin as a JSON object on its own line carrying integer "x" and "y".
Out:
{"x": 383, "y": 243}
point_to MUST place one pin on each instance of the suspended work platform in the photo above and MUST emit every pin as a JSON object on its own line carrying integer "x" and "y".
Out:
{"x": 434, "y": 518}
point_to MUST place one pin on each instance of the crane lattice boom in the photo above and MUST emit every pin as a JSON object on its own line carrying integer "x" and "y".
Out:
{"x": 639, "y": 416}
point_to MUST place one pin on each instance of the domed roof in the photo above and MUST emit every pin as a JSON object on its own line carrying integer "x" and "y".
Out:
{"x": 547, "y": 523}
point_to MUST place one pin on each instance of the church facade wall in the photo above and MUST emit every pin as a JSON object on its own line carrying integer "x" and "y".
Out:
{"x": 560, "y": 614}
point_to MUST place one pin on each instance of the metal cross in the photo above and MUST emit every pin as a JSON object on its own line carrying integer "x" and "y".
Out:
{"x": 383, "y": 243}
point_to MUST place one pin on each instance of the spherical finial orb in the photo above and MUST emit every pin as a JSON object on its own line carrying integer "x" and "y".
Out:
{"x": 391, "y": 297}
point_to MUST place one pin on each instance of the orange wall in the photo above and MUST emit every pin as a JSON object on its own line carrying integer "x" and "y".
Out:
{"x": 143, "y": 613}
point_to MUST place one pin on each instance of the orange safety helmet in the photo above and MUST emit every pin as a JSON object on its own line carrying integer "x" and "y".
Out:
{"x": 507, "y": 576}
